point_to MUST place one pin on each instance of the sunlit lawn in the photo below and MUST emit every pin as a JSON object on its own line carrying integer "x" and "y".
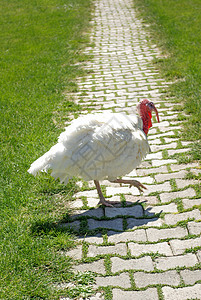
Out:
{"x": 40, "y": 43}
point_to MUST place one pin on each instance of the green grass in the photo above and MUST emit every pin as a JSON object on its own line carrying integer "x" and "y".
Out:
{"x": 175, "y": 27}
{"x": 40, "y": 44}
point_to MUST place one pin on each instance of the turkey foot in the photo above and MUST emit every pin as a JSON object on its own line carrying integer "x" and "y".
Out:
{"x": 102, "y": 198}
{"x": 135, "y": 183}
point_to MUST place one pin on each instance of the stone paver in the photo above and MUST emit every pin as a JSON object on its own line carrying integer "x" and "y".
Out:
{"x": 144, "y": 263}
{"x": 75, "y": 253}
{"x": 166, "y": 197}
{"x": 102, "y": 250}
{"x": 134, "y": 223}
{"x": 138, "y": 235}
{"x": 158, "y": 188}
{"x": 191, "y": 292}
{"x": 179, "y": 246}
{"x": 135, "y": 211}
{"x": 187, "y": 260}
{"x": 155, "y": 235}
{"x": 119, "y": 75}
{"x": 167, "y": 278}
{"x": 161, "y": 248}
{"x": 148, "y": 199}
{"x": 144, "y": 172}
{"x": 98, "y": 213}
{"x": 172, "y": 219}
{"x": 168, "y": 176}
{"x": 170, "y": 208}
{"x": 181, "y": 183}
{"x": 189, "y": 203}
{"x": 72, "y": 225}
{"x": 191, "y": 277}
{"x": 96, "y": 266}
{"x": 110, "y": 224}
{"x": 121, "y": 280}
{"x": 194, "y": 228}
{"x": 92, "y": 239}
{"x": 150, "y": 293}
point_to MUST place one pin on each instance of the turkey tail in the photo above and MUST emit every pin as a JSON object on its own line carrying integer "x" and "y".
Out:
{"x": 40, "y": 165}
{"x": 48, "y": 160}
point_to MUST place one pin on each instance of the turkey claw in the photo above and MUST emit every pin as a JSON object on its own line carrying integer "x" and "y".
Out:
{"x": 138, "y": 185}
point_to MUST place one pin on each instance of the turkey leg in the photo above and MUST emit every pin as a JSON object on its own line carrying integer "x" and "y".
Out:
{"x": 102, "y": 198}
{"x": 135, "y": 183}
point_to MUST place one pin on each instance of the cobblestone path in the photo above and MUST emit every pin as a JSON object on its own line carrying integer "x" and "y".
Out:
{"x": 148, "y": 246}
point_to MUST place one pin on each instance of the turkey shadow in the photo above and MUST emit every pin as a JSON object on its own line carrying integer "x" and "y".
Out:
{"x": 96, "y": 222}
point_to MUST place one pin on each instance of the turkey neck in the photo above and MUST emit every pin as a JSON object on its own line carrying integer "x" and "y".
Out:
{"x": 146, "y": 120}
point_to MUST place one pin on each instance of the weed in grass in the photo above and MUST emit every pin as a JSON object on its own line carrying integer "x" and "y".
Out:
{"x": 192, "y": 250}
{"x": 196, "y": 151}
{"x": 81, "y": 286}
{"x": 108, "y": 293}
{"x": 165, "y": 154}
{"x": 160, "y": 293}
{"x": 179, "y": 204}
{"x": 108, "y": 265}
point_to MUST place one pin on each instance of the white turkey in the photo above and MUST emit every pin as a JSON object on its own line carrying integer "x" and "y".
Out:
{"x": 100, "y": 146}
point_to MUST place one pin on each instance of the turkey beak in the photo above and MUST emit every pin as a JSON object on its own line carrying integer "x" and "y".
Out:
{"x": 157, "y": 116}
{"x": 152, "y": 107}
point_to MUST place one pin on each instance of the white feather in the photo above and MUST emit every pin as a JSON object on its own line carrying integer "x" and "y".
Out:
{"x": 96, "y": 147}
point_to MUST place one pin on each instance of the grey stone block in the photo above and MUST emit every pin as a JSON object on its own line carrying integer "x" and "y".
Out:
{"x": 75, "y": 225}
{"x": 91, "y": 194}
{"x": 194, "y": 227}
{"x": 161, "y": 162}
{"x": 76, "y": 203}
{"x": 97, "y": 239}
{"x": 134, "y": 223}
{"x": 172, "y": 219}
{"x": 96, "y": 266}
{"x": 166, "y": 278}
{"x": 138, "y": 235}
{"x": 181, "y": 183}
{"x": 98, "y": 213}
{"x": 135, "y": 211}
{"x": 187, "y": 260}
{"x": 141, "y": 199}
{"x": 162, "y": 187}
{"x": 191, "y": 277}
{"x": 179, "y": 246}
{"x": 74, "y": 253}
{"x": 144, "y": 263}
{"x": 103, "y": 250}
{"x": 166, "y": 197}
{"x": 169, "y": 208}
{"x": 138, "y": 249}
{"x": 162, "y": 147}
{"x": 144, "y": 172}
{"x": 149, "y": 294}
{"x": 155, "y": 234}
{"x": 111, "y": 191}
{"x": 168, "y": 176}
{"x": 122, "y": 280}
{"x": 190, "y": 292}
{"x": 176, "y": 167}
{"x": 92, "y": 202}
{"x": 189, "y": 203}
{"x": 116, "y": 224}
